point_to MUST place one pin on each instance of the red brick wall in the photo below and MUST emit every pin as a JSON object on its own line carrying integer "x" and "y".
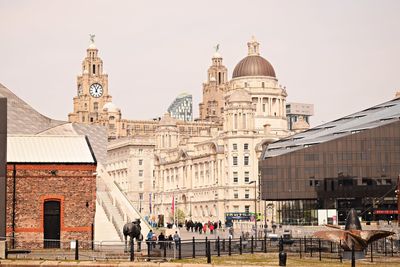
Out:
{"x": 73, "y": 185}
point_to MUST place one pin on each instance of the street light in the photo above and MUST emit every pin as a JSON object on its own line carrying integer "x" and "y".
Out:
{"x": 255, "y": 207}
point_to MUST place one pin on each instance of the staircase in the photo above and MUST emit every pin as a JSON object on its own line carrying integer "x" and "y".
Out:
{"x": 118, "y": 209}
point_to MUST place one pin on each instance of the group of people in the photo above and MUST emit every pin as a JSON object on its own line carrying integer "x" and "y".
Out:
{"x": 202, "y": 227}
{"x": 163, "y": 241}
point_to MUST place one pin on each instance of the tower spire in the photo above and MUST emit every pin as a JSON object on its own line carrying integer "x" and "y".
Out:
{"x": 253, "y": 47}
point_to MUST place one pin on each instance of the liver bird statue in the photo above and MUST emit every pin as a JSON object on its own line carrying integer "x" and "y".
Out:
{"x": 352, "y": 234}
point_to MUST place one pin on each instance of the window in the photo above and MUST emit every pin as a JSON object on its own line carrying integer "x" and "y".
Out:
{"x": 246, "y": 177}
{"x": 140, "y": 173}
{"x": 140, "y": 185}
{"x": 247, "y": 208}
{"x": 235, "y": 208}
{"x": 95, "y": 106}
{"x": 140, "y": 162}
{"x": 140, "y": 151}
{"x": 263, "y": 84}
{"x": 246, "y": 146}
{"x": 141, "y": 196}
{"x": 247, "y": 193}
{"x": 246, "y": 160}
{"x": 235, "y": 160}
{"x": 235, "y": 194}
{"x": 94, "y": 69}
{"x": 234, "y": 146}
{"x": 235, "y": 177}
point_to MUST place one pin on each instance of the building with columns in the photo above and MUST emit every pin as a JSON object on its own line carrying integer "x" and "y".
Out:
{"x": 209, "y": 167}
{"x": 216, "y": 174}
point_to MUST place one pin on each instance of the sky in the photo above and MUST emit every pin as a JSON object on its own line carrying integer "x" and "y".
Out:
{"x": 342, "y": 56}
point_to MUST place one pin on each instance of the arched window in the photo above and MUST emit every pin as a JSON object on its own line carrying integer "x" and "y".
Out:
{"x": 94, "y": 69}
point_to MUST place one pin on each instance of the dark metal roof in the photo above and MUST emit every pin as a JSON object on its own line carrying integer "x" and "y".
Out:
{"x": 253, "y": 66}
{"x": 370, "y": 118}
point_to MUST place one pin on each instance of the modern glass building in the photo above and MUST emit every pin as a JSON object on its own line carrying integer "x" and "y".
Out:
{"x": 181, "y": 108}
{"x": 352, "y": 162}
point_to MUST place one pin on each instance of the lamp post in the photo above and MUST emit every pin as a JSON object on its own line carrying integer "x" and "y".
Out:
{"x": 255, "y": 208}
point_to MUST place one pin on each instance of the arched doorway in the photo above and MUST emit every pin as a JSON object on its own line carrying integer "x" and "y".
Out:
{"x": 51, "y": 224}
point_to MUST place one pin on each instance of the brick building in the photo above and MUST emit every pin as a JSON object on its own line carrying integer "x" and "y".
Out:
{"x": 51, "y": 191}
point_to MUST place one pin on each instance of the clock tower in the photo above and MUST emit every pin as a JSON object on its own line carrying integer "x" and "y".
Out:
{"x": 92, "y": 89}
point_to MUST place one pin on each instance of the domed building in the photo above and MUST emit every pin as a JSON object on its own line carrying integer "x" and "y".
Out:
{"x": 213, "y": 176}
{"x": 256, "y": 75}
{"x": 208, "y": 167}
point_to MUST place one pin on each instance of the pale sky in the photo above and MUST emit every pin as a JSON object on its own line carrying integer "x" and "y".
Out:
{"x": 341, "y": 56}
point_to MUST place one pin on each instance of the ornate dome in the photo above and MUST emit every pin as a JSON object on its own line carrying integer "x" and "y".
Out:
{"x": 253, "y": 64}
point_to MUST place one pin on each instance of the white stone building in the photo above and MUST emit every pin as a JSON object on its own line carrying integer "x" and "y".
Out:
{"x": 211, "y": 175}
{"x": 130, "y": 162}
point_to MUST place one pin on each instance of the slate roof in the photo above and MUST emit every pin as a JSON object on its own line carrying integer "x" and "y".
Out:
{"x": 369, "y": 118}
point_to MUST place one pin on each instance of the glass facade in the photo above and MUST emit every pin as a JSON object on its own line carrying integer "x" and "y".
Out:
{"x": 358, "y": 170}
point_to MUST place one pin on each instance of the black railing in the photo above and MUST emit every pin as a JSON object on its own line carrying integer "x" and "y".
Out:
{"x": 193, "y": 248}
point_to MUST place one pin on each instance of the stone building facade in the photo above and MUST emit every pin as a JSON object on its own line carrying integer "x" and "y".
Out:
{"x": 209, "y": 166}
{"x": 216, "y": 174}
{"x": 131, "y": 165}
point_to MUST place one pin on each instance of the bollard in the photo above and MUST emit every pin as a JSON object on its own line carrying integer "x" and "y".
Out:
{"x": 240, "y": 245}
{"x": 265, "y": 244}
{"x": 132, "y": 253}
{"x": 218, "y": 248}
{"x": 223, "y": 244}
{"x": 194, "y": 248}
{"x": 180, "y": 249}
{"x": 148, "y": 250}
{"x": 392, "y": 245}
{"x": 319, "y": 249}
{"x": 76, "y": 250}
{"x": 339, "y": 252}
{"x": 300, "y": 248}
{"x": 230, "y": 246}
{"x": 165, "y": 249}
{"x": 252, "y": 249}
{"x": 353, "y": 257}
{"x": 208, "y": 245}
{"x": 372, "y": 257}
{"x": 282, "y": 254}
{"x": 384, "y": 240}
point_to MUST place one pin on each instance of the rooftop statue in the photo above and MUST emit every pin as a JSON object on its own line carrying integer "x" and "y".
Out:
{"x": 352, "y": 235}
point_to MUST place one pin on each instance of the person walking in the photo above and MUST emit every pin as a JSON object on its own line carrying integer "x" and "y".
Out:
{"x": 176, "y": 239}
{"x": 161, "y": 240}
{"x": 149, "y": 238}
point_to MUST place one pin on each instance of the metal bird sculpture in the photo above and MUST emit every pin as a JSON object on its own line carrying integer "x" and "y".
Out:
{"x": 352, "y": 234}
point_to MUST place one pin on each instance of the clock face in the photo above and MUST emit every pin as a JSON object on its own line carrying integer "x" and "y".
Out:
{"x": 96, "y": 90}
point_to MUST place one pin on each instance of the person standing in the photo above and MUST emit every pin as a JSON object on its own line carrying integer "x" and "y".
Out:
{"x": 149, "y": 238}
{"x": 176, "y": 239}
